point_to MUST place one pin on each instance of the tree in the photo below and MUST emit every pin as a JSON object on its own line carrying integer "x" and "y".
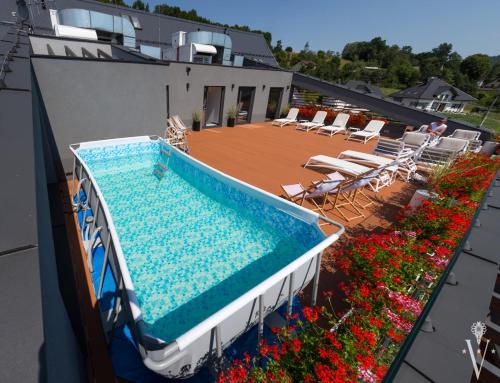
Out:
{"x": 476, "y": 67}
{"x": 121, "y": 3}
{"x": 278, "y": 47}
{"x": 138, "y": 4}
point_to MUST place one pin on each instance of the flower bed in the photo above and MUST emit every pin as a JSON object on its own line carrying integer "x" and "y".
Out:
{"x": 359, "y": 119}
{"x": 390, "y": 277}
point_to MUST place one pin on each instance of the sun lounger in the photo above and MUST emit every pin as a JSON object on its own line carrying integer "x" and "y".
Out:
{"x": 339, "y": 125}
{"x": 353, "y": 169}
{"x": 318, "y": 121}
{"x": 370, "y": 131}
{"x": 470, "y": 135}
{"x": 443, "y": 152}
{"x": 406, "y": 166}
{"x": 289, "y": 119}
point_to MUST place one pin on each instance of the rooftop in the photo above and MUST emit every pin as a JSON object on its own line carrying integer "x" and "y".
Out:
{"x": 431, "y": 89}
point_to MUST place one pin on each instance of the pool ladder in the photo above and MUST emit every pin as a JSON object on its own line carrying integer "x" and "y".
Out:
{"x": 161, "y": 166}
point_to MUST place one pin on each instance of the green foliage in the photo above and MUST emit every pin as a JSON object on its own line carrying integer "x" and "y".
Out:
{"x": 121, "y": 3}
{"x": 139, "y": 4}
{"x": 476, "y": 67}
{"x": 192, "y": 15}
{"x": 196, "y": 116}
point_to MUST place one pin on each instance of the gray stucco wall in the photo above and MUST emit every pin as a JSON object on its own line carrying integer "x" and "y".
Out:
{"x": 95, "y": 99}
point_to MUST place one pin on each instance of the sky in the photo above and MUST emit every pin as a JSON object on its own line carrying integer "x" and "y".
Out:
{"x": 471, "y": 26}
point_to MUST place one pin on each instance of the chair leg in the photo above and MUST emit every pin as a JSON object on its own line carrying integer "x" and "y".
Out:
{"x": 369, "y": 203}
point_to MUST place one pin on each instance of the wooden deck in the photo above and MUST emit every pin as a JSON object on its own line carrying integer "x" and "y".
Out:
{"x": 268, "y": 156}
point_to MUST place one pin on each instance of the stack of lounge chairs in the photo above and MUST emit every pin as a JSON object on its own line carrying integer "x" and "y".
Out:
{"x": 176, "y": 133}
{"x": 442, "y": 152}
{"x": 471, "y": 136}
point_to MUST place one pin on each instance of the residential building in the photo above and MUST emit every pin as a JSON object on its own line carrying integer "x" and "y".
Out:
{"x": 436, "y": 95}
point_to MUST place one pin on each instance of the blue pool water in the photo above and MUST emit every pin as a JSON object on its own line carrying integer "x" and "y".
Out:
{"x": 192, "y": 243}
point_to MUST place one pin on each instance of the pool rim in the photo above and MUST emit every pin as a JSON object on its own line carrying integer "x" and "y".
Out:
{"x": 212, "y": 321}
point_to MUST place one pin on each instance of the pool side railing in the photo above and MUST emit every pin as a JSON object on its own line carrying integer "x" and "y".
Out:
{"x": 126, "y": 308}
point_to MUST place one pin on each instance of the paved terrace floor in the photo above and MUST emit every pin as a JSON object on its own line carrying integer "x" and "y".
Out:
{"x": 268, "y": 156}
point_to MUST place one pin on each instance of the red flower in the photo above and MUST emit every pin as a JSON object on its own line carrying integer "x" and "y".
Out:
{"x": 310, "y": 314}
{"x": 296, "y": 345}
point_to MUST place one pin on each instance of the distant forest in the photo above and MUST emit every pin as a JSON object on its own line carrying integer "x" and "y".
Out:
{"x": 375, "y": 61}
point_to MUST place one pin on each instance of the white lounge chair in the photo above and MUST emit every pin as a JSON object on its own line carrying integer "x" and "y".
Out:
{"x": 370, "y": 131}
{"x": 406, "y": 165}
{"x": 339, "y": 125}
{"x": 289, "y": 119}
{"x": 473, "y": 137}
{"x": 317, "y": 121}
{"x": 385, "y": 178}
{"x": 443, "y": 152}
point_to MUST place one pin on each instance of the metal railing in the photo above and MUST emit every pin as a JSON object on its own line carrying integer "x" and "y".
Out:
{"x": 8, "y": 56}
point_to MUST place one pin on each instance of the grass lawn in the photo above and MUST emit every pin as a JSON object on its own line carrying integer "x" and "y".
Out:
{"x": 388, "y": 91}
{"x": 492, "y": 123}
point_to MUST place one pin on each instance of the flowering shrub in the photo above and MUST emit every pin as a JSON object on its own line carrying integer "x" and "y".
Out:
{"x": 390, "y": 277}
{"x": 359, "y": 119}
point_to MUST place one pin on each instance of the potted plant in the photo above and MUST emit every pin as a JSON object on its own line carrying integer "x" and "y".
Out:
{"x": 231, "y": 116}
{"x": 196, "y": 121}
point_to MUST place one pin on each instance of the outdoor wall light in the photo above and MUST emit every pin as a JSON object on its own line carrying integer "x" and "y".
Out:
{"x": 263, "y": 87}
{"x": 187, "y": 87}
{"x": 188, "y": 69}
{"x": 287, "y": 87}
{"x": 232, "y": 87}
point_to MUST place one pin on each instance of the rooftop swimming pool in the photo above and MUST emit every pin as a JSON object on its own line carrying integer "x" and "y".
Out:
{"x": 192, "y": 240}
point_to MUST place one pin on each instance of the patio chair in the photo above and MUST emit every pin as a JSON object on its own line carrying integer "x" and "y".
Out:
{"x": 317, "y": 121}
{"x": 370, "y": 131}
{"x": 351, "y": 190}
{"x": 339, "y": 125}
{"x": 473, "y": 137}
{"x": 316, "y": 193}
{"x": 385, "y": 178}
{"x": 443, "y": 152}
{"x": 289, "y": 119}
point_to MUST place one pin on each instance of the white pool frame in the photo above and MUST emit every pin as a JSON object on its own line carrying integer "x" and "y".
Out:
{"x": 206, "y": 340}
